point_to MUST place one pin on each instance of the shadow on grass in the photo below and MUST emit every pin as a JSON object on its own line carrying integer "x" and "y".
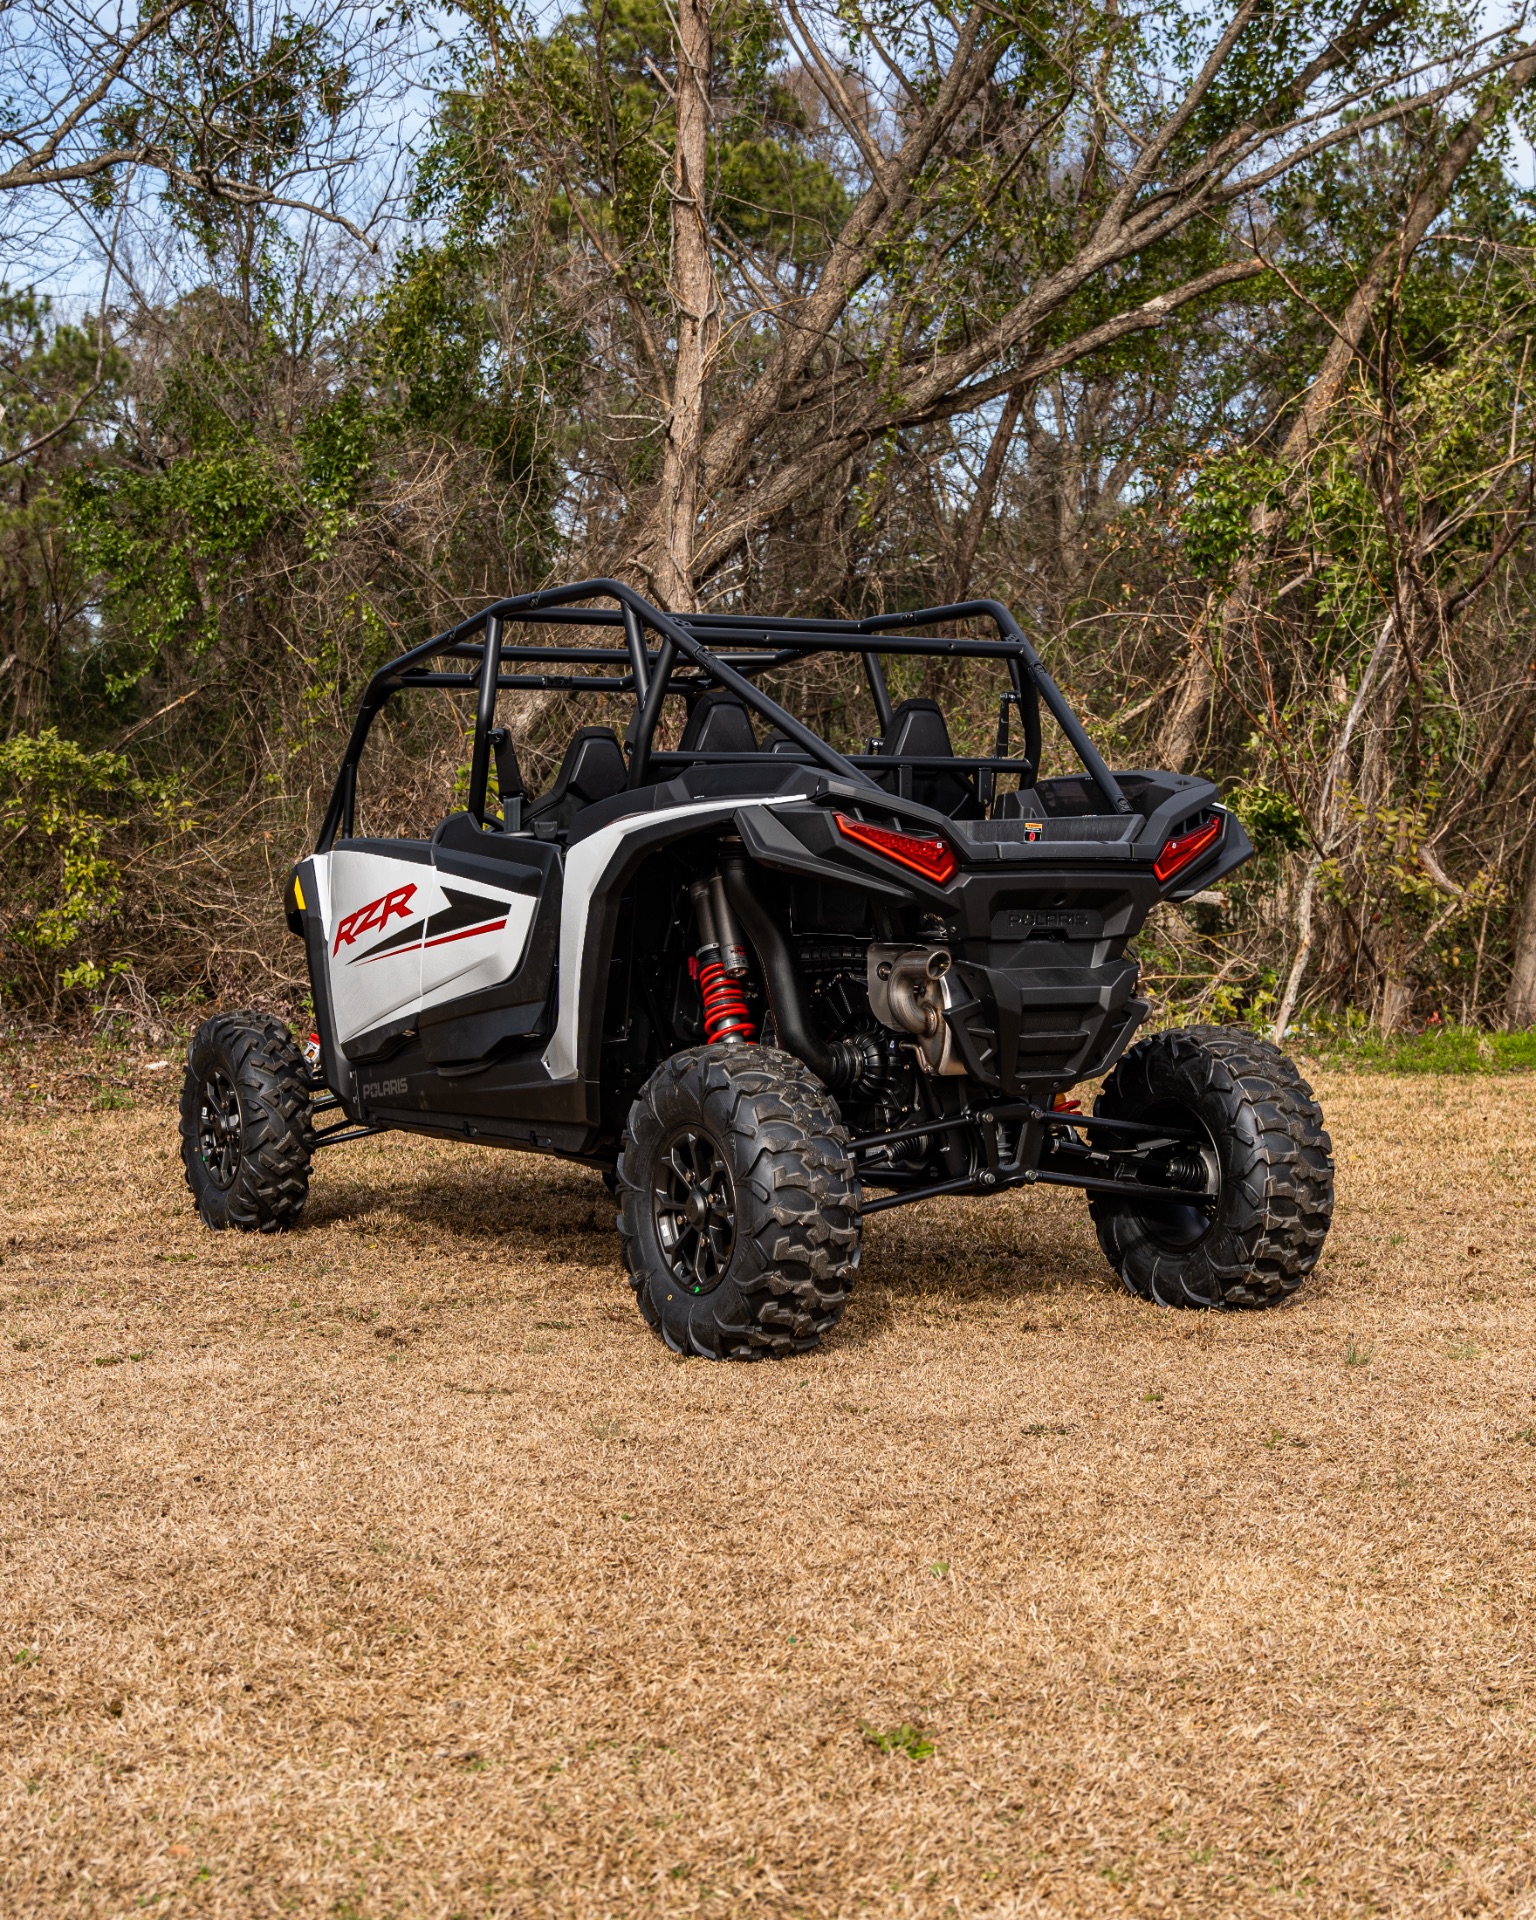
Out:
{"x": 949, "y": 1256}
{"x": 481, "y": 1195}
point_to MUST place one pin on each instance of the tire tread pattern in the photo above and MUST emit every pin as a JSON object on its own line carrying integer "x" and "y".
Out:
{"x": 797, "y": 1203}
{"x": 1277, "y": 1167}
{"x": 258, "y": 1054}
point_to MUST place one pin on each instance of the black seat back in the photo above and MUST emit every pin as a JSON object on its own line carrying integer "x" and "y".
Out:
{"x": 593, "y": 769}
{"x": 775, "y": 741}
{"x": 719, "y": 723}
{"x": 918, "y": 730}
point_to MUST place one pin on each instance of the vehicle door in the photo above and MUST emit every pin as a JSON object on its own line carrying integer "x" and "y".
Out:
{"x": 381, "y": 894}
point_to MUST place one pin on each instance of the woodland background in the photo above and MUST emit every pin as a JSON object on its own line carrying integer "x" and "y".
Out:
{"x": 1200, "y": 335}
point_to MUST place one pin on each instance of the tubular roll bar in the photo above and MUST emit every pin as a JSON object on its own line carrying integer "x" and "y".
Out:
{"x": 649, "y": 676}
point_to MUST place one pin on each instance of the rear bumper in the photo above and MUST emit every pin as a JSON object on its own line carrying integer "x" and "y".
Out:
{"x": 1022, "y": 1030}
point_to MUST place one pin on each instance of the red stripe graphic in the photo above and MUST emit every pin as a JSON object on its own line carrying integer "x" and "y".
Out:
{"x": 443, "y": 939}
{"x": 491, "y": 926}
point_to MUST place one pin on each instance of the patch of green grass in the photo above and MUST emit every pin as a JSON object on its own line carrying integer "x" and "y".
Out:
{"x": 939, "y": 1569}
{"x": 113, "y": 1100}
{"x": 907, "y": 1739}
{"x": 1357, "y": 1356}
{"x": 1438, "y": 1049}
{"x": 1045, "y": 1426}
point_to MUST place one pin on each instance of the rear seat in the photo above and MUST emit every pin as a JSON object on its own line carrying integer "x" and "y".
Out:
{"x": 918, "y": 729}
{"x": 719, "y": 723}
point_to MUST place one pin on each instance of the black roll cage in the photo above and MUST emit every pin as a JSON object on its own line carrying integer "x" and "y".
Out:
{"x": 651, "y": 673}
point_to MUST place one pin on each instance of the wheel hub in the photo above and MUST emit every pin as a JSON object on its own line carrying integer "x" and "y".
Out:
{"x": 1194, "y": 1164}
{"x": 219, "y": 1130}
{"x": 694, "y": 1206}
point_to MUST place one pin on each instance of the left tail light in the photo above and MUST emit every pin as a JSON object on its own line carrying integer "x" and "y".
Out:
{"x": 928, "y": 855}
{"x": 1184, "y": 848}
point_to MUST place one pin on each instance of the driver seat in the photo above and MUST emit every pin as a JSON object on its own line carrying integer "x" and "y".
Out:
{"x": 593, "y": 769}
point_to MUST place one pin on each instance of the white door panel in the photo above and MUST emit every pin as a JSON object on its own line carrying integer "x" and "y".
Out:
{"x": 400, "y": 936}
{"x": 373, "y": 900}
{"x": 465, "y": 959}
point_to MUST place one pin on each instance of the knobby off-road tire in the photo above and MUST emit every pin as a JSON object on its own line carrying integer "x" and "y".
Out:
{"x": 1266, "y": 1140}
{"x": 245, "y": 1135}
{"x": 751, "y": 1141}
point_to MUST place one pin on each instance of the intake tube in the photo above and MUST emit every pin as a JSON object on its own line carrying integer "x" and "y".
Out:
{"x": 839, "y": 1065}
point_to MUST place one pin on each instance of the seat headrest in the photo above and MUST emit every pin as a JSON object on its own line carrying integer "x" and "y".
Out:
{"x": 719, "y": 723}
{"x": 593, "y": 767}
{"x": 917, "y": 728}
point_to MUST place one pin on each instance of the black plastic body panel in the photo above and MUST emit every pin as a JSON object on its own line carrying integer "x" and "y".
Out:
{"x": 1047, "y": 895}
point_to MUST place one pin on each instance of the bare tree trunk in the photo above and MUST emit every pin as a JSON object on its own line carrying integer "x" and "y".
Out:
{"x": 671, "y": 563}
{"x": 1520, "y": 1001}
{"x": 1185, "y": 725}
{"x": 1327, "y": 829}
{"x": 980, "y": 510}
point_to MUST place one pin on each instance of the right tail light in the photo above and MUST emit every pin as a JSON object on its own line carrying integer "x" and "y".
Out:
{"x": 1183, "y": 848}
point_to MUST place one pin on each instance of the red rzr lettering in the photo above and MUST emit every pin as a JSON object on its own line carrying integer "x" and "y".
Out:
{"x": 376, "y": 914}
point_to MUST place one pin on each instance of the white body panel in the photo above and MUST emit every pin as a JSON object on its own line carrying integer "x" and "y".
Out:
{"x": 585, "y": 866}
{"x": 401, "y": 936}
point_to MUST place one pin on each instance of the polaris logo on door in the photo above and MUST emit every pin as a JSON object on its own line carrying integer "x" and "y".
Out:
{"x": 385, "y": 1089}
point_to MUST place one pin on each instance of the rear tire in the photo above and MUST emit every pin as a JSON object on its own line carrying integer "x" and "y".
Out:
{"x": 739, "y": 1205}
{"x": 245, "y": 1134}
{"x": 1266, "y": 1136}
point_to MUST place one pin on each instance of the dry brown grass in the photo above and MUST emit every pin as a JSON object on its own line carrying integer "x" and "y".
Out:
{"x": 391, "y": 1567}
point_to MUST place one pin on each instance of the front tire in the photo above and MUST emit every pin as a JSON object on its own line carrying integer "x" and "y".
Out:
{"x": 739, "y": 1205}
{"x": 245, "y": 1134}
{"x": 1268, "y": 1146}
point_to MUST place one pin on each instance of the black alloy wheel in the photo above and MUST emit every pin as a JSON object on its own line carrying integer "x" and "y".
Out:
{"x": 694, "y": 1202}
{"x": 219, "y": 1129}
{"x": 1194, "y": 1164}
{"x": 738, "y": 1204}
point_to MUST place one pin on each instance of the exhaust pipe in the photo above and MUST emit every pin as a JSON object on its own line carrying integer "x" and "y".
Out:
{"x": 907, "y": 993}
{"x": 842, "y": 1063}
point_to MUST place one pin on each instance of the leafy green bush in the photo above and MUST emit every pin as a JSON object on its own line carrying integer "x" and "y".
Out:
{"x": 59, "y": 807}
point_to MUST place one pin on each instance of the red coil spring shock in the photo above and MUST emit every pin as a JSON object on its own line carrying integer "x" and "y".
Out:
{"x": 721, "y": 965}
{"x": 725, "y": 1006}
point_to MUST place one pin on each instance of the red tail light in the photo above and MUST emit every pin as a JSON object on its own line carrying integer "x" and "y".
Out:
{"x": 1185, "y": 847}
{"x": 933, "y": 858}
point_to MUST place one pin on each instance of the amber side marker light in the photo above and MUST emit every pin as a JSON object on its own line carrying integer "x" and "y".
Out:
{"x": 933, "y": 858}
{"x": 1178, "y": 852}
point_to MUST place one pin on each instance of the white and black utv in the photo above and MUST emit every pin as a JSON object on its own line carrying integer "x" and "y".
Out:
{"x": 766, "y": 986}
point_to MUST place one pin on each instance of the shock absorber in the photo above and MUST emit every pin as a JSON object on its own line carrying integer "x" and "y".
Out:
{"x": 721, "y": 964}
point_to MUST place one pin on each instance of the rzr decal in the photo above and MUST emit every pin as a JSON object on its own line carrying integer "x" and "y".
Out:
{"x": 377, "y": 913}
{"x": 465, "y": 915}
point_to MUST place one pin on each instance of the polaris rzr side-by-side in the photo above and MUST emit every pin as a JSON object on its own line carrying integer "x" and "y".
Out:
{"x": 767, "y": 987}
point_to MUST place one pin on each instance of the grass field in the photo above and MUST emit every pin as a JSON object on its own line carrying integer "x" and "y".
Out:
{"x": 392, "y": 1568}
